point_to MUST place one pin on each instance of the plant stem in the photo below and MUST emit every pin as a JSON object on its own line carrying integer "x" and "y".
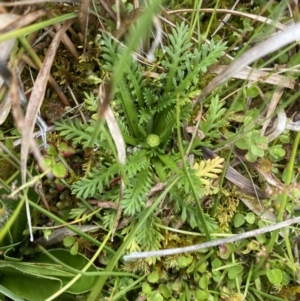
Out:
{"x": 180, "y": 146}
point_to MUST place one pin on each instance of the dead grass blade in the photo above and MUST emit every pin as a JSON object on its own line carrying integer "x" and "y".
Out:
{"x": 59, "y": 234}
{"x": 118, "y": 139}
{"x": 109, "y": 10}
{"x": 28, "y": 2}
{"x": 225, "y": 18}
{"x": 113, "y": 128}
{"x": 35, "y": 102}
{"x": 19, "y": 120}
{"x": 260, "y": 19}
{"x": 257, "y": 76}
{"x": 271, "y": 108}
{"x": 23, "y": 20}
{"x": 270, "y": 45}
{"x": 5, "y": 49}
{"x": 83, "y": 18}
{"x": 67, "y": 42}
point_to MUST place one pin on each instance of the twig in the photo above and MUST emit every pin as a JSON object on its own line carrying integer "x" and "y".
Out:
{"x": 214, "y": 243}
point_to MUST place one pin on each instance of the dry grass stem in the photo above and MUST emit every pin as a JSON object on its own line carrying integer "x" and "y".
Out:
{"x": 257, "y": 76}
{"x": 214, "y": 243}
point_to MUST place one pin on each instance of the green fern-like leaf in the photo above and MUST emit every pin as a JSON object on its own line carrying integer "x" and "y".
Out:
{"x": 136, "y": 82}
{"x": 136, "y": 162}
{"x": 77, "y": 133}
{"x": 95, "y": 183}
{"x": 109, "y": 218}
{"x": 80, "y": 212}
{"x": 145, "y": 115}
{"x": 214, "y": 119}
{"x": 210, "y": 222}
{"x": 72, "y": 130}
{"x": 91, "y": 101}
{"x": 135, "y": 196}
{"x": 176, "y": 53}
{"x": 149, "y": 236}
{"x": 198, "y": 63}
{"x": 110, "y": 52}
{"x": 150, "y": 97}
{"x": 166, "y": 101}
{"x": 209, "y": 169}
{"x": 183, "y": 185}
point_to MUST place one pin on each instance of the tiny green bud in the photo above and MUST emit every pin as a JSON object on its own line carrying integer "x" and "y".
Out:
{"x": 153, "y": 140}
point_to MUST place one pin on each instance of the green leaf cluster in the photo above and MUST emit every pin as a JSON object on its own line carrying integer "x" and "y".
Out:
{"x": 252, "y": 140}
{"x": 145, "y": 108}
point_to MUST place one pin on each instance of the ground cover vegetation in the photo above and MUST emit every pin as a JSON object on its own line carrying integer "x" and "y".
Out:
{"x": 149, "y": 126}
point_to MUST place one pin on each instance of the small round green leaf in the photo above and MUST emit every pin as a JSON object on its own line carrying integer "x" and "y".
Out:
{"x": 226, "y": 250}
{"x": 250, "y": 157}
{"x": 284, "y": 138}
{"x": 74, "y": 249}
{"x": 252, "y": 91}
{"x": 274, "y": 276}
{"x": 234, "y": 271}
{"x": 165, "y": 291}
{"x": 48, "y": 161}
{"x": 250, "y": 218}
{"x": 9, "y": 143}
{"x": 146, "y": 288}
{"x": 66, "y": 149}
{"x": 261, "y": 238}
{"x": 202, "y": 268}
{"x": 243, "y": 143}
{"x": 202, "y": 295}
{"x": 203, "y": 282}
{"x": 153, "y": 277}
{"x": 217, "y": 276}
{"x": 155, "y": 296}
{"x": 286, "y": 278}
{"x": 59, "y": 170}
{"x": 52, "y": 150}
{"x": 216, "y": 263}
{"x": 256, "y": 151}
{"x": 238, "y": 220}
{"x": 185, "y": 260}
{"x": 295, "y": 59}
{"x": 68, "y": 241}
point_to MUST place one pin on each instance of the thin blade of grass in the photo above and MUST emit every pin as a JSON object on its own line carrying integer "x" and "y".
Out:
{"x": 35, "y": 27}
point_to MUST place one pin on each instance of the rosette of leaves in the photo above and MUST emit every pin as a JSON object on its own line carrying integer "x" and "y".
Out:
{"x": 146, "y": 112}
